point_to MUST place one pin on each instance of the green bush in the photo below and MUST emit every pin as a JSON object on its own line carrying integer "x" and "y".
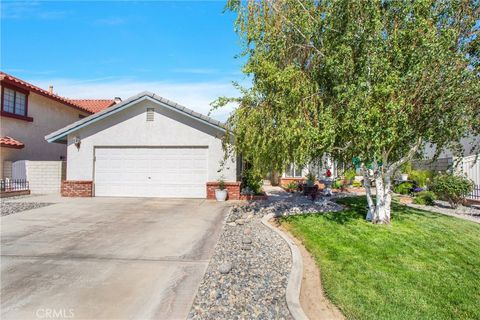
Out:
{"x": 311, "y": 178}
{"x": 425, "y": 197}
{"x": 406, "y": 167}
{"x": 349, "y": 174}
{"x": 357, "y": 184}
{"x": 403, "y": 188}
{"x": 252, "y": 180}
{"x": 338, "y": 184}
{"x": 292, "y": 186}
{"x": 452, "y": 188}
{"x": 421, "y": 177}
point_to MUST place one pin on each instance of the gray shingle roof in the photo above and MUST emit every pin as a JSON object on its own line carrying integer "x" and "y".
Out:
{"x": 59, "y": 134}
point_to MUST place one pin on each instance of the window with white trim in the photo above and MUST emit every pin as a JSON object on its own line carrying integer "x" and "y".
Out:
{"x": 14, "y": 102}
{"x": 293, "y": 171}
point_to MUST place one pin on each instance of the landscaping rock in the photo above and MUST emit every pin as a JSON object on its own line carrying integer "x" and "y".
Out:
{"x": 247, "y": 240}
{"x": 255, "y": 287}
{"x": 8, "y": 208}
{"x": 240, "y": 221}
{"x": 225, "y": 268}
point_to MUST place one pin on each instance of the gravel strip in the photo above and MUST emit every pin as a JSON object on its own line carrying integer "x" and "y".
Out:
{"x": 471, "y": 213}
{"x": 247, "y": 276}
{"x": 248, "y": 273}
{"x": 295, "y": 205}
{"x": 8, "y": 208}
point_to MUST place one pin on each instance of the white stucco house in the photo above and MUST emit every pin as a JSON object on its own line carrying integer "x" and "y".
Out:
{"x": 145, "y": 146}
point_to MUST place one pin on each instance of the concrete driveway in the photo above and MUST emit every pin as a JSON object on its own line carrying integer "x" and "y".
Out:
{"x": 107, "y": 258}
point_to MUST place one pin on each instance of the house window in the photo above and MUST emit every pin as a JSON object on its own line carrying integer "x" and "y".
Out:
{"x": 293, "y": 171}
{"x": 14, "y": 102}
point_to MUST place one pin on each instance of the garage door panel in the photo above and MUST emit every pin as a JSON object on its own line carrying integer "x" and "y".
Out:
{"x": 151, "y": 172}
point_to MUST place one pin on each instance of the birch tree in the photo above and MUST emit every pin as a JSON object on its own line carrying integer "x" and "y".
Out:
{"x": 375, "y": 80}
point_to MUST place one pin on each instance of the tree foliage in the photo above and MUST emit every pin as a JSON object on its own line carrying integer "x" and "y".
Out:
{"x": 376, "y": 80}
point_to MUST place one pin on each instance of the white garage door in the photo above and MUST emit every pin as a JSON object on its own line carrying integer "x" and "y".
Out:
{"x": 151, "y": 172}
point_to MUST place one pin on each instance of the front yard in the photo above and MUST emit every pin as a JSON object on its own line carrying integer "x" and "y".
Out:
{"x": 423, "y": 266}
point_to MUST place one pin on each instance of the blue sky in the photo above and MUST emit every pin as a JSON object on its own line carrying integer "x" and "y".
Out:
{"x": 183, "y": 50}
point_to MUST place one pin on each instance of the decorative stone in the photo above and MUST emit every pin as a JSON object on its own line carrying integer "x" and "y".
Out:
{"x": 232, "y": 224}
{"x": 247, "y": 240}
{"x": 225, "y": 267}
{"x": 242, "y": 287}
{"x": 240, "y": 221}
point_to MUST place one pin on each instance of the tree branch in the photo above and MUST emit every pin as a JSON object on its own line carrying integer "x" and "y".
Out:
{"x": 394, "y": 166}
{"x": 309, "y": 42}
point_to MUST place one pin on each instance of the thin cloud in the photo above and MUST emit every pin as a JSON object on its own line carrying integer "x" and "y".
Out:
{"x": 193, "y": 95}
{"x": 29, "y": 10}
{"x": 112, "y": 21}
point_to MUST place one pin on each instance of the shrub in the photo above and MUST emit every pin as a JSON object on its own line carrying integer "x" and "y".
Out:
{"x": 403, "y": 188}
{"x": 406, "y": 167}
{"x": 338, "y": 184}
{"x": 425, "y": 197}
{"x": 252, "y": 180}
{"x": 421, "y": 177}
{"x": 356, "y": 184}
{"x": 349, "y": 174}
{"x": 292, "y": 186}
{"x": 311, "y": 178}
{"x": 452, "y": 188}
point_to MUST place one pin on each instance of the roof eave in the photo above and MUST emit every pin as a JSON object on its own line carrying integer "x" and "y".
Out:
{"x": 53, "y": 137}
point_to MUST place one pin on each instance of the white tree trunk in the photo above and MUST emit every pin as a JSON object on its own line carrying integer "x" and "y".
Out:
{"x": 368, "y": 190}
{"x": 383, "y": 198}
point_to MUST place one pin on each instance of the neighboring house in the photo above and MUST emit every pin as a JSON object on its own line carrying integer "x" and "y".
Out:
{"x": 146, "y": 146}
{"x": 467, "y": 165}
{"x": 28, "y": 113}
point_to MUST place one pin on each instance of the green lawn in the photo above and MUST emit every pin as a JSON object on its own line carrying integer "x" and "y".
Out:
{"x": 422, "y": 266}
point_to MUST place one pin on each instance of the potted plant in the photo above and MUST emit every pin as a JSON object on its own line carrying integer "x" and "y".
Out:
{"x": 311, "y": 179}
{"x": 221, "y": 192}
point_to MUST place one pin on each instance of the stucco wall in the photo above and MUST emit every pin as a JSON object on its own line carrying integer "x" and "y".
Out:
{"x": 44, "y": 177}
{"x": 130, "y": 128}
{"x": 48, "y": 116}
{"x": 467, "y": 144}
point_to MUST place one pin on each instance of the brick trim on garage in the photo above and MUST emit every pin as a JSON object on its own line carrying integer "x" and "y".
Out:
{"x": 233, "y": 190}
{"x": 77, "y": 188}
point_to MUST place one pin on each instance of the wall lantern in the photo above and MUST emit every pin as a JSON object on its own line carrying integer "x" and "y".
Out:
{"x": 76, "y": 142}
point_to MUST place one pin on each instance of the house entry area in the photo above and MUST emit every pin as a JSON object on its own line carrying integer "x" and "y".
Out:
{"x": 168, "y": 172}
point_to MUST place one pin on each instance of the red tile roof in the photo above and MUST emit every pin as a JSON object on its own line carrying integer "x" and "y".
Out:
{"x": 87, "y": 105}
{"x": 93, "y": 105}
{"x": 9, "y": 142}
